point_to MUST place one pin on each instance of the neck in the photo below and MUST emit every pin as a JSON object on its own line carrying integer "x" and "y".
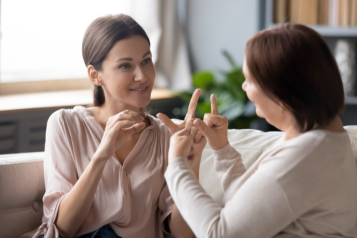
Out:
{"x": 108, "y": 109}
{"x": 335, "y": 125}
{"x": 291, "y": 132}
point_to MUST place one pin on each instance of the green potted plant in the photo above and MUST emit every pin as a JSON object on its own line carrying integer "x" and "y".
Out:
{"x": 232, "y": 100}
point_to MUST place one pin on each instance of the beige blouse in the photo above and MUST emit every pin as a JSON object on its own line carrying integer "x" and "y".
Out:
{"x": 304, "y": 187}
{"x": 133, "y": 198}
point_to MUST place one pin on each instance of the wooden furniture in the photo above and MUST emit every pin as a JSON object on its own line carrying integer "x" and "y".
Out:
{"x": 23, "y": 118}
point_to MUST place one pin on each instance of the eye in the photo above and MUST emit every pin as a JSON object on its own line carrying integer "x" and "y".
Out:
{"x": 124, "y": 66}
{"x": 146, "y": 61}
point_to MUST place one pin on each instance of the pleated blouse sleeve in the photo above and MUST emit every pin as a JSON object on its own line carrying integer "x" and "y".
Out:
{"x": 59, "y": 170}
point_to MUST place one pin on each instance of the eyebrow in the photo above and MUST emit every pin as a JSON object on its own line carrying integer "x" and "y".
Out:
{"x": 130, "y": 59}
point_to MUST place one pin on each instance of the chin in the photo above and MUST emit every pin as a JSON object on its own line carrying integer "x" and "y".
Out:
{"x": 259, "y": 114}
{"x": 141, "y": 104}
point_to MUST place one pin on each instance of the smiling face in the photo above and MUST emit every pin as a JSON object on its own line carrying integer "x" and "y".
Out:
{"x": 128, "y": 74}
{"x": 266, "y": 108}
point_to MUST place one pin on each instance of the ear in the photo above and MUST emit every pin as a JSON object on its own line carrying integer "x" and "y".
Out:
{"x": 93, "y": 75}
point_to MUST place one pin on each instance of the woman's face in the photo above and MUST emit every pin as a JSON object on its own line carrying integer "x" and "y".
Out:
{"x": 266, "y": 108}
{"x": 128, "y": 74}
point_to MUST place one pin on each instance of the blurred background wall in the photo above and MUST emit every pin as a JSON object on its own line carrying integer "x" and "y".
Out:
{"x": 213, "y": 26}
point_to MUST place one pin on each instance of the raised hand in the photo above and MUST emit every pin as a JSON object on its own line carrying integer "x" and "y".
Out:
{"x": 187, "y": 123}
{"x": 199, "y": 143}
{"x": 118, "y": 129}
{"x": 180, "y": 144}
{"x": 214, "y": 127}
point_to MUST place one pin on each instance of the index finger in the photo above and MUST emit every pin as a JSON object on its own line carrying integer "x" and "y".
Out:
{"x": 214, "y": 108}
{"x": 193, "y": 103}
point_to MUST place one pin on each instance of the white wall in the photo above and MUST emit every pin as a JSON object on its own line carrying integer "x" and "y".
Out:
{"x": 214, "y": 25}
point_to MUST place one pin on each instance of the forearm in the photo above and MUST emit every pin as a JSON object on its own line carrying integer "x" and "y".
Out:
{"x": 228, "y": 165}
{"x": 74, "y": 208}
{"x": 247, "y": 214}
{"x": 178, "y": 225}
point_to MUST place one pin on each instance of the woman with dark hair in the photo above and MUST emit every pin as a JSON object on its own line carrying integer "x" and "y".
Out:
{"x": 104, "y": 165}
{"x": 303, "y": 187}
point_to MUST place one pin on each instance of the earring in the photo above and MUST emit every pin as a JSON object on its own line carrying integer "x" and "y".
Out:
{"x": 100, "y": 83}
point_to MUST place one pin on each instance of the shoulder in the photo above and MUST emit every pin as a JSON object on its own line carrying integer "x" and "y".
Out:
{"x": 64, "y": 118}
{"x": 308, "y": 153}
{"x": 314, "y": 141}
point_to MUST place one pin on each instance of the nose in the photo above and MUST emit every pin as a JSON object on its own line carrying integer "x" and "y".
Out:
{"x": 244, "y": 86}
{"x": 140, "y": 75}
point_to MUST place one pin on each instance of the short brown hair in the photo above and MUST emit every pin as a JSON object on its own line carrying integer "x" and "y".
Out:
{"x": 293, "y": 64}
{"x": 100, "y": 37}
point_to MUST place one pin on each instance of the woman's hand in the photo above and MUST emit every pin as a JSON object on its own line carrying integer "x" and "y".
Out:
{"x": 189, "y": 144}
{"x": 199, "y": 143}
{"x": 180, "y": 145}
{"x": 118, "y": 129}
{"x": 173, "y": 128}
{"x": 214, "y": 127}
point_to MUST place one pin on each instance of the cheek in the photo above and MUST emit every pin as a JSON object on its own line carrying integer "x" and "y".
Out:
{"x": 151, "y": 73}
{"x": 117, "y": 82}
{"x": 259, "y": 101}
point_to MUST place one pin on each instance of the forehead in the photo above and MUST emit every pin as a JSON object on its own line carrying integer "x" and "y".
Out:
{"x": 134, "y": 46}
{"x": 245, "y": 68}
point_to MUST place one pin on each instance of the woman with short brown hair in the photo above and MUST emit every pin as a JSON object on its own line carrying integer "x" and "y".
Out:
{"x": 303, "y": 187}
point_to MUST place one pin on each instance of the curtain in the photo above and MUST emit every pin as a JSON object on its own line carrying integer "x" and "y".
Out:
{"x": 160, "y": 19}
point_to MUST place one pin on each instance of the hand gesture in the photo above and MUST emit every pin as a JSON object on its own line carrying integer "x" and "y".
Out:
{"x": 214, "y": 127}
{"x": 199, "y": 143}
{"x": 118, "y": 129}
{"x": 180, "y": 144}
{"x": 173, "y": 128}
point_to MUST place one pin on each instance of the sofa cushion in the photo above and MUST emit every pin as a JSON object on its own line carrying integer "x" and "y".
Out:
{"x": 21, "y": 190}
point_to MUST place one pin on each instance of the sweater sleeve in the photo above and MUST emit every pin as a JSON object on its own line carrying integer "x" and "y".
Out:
{"x": 228, "y": 165}
{"x": 59, "y": 170}
{"x": 259, "y": 209}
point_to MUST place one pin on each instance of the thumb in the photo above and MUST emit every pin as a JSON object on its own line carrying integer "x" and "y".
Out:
{"x": 135, "y": 128}
{"x": 206, "y": 131}
{"x": 167, "y": 121}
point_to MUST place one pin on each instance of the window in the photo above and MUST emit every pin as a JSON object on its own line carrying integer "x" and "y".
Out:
{"x": 42, "y": 40}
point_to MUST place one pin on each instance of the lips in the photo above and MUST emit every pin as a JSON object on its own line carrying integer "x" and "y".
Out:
{"x": 139, "y": 89}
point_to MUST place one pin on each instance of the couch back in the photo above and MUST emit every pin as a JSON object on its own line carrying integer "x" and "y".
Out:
{"x": 22, "y": 182}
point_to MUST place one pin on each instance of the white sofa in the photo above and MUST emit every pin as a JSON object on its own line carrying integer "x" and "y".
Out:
{"x": 22, "y": 183}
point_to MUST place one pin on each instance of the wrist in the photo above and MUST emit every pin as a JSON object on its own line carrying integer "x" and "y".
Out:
{"x": 219, "y": 146}
{"x": 100, "y": 157}
{"x": 172, "y": 158}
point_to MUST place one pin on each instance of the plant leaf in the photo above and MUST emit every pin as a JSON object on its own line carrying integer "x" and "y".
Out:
{"x": 203, "y": 79}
